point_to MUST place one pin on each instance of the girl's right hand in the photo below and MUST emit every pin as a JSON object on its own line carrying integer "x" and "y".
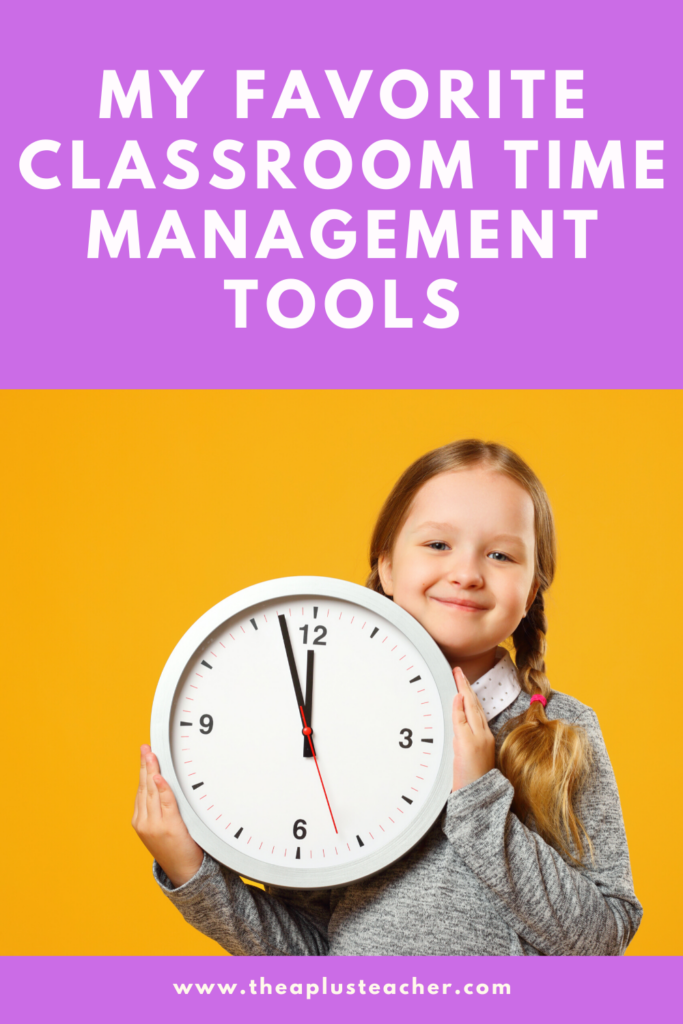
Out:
{"x": 157, "y": 821}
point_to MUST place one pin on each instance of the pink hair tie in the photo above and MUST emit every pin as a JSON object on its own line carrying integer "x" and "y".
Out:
{"x": 537, "y": 696}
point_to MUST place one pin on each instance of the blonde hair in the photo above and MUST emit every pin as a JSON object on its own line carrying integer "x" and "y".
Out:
{"x": 546, "y": 761}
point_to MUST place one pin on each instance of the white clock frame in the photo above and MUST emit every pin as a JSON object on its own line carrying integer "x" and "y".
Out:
{"x": 197, "y": 636}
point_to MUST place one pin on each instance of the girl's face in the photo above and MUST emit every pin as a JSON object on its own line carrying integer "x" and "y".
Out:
{"x": 463, "y": 561}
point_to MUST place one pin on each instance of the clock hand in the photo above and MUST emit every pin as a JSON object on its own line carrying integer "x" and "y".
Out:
{"x": 308, "y": 703}
{"x": 307, "y": 732}
{"x": 300, "y": 703}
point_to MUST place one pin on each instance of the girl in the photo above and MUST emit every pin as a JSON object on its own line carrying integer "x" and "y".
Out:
{"x": 529, "y": 856}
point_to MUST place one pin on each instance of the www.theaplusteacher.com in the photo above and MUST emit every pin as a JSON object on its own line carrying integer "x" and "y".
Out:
{"x": 344, "y": 988}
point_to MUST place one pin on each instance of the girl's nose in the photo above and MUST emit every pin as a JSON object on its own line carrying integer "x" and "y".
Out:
{"x": 465, "y": 571}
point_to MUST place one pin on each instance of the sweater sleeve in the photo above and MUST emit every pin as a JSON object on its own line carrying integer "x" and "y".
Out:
{"x": 245, "y": 920}
{"x": 558, "y": 908}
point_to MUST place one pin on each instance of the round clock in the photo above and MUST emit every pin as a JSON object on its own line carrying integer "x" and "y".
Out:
{"x": 304, "y": 725}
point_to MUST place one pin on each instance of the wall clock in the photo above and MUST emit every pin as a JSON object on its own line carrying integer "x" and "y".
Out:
{"x": 304, "y": 725}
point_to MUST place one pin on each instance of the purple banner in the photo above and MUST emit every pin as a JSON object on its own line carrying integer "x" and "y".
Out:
{"x": 483, "y": 989}
{"x": 495, "y": 237}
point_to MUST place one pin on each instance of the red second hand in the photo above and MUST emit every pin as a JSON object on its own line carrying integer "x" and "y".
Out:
{"x": 307, "y": 732}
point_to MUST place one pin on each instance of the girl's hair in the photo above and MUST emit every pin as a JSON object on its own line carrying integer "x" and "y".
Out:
{"x": 546, "y": 761}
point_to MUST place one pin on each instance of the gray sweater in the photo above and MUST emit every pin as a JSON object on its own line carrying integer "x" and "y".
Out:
{"x": 479, "y": 883}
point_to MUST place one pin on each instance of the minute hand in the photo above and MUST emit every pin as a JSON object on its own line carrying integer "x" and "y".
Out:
{"x": 292, "y": 666}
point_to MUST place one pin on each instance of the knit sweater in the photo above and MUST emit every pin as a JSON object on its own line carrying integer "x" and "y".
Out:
{"x": 479, "y": 883}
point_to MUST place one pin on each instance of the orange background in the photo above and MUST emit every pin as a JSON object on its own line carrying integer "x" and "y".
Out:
{"x": 128, "y": 514}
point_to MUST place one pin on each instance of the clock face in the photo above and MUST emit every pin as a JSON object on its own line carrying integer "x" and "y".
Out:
{"x": 294, "y": 808}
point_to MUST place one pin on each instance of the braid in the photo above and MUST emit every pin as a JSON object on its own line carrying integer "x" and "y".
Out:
{"x": 530, "y": 647}
{"x": 546, "y": 760}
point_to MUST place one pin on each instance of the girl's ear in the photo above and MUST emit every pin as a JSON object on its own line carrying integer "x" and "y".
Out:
{"x": 385, "y": 577}
{"x": 532, "y": 597}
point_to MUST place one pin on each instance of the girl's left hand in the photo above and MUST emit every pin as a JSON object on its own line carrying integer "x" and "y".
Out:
{"x": 474, "y": 745}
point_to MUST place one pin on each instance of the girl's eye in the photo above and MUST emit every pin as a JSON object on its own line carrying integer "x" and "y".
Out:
{"x": 438, "y": 545}
{"x": 498, "y": 556}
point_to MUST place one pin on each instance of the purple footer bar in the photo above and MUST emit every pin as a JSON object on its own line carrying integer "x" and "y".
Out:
{"x": 482, "y": 989}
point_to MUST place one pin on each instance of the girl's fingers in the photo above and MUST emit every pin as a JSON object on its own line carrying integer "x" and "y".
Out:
{"x": 140, "y": 810}
{"x": 152, "y": 793}
{"x": 459, "y": 716}
{"x": 476, "y": 716}
{"x": 169, "y": 806}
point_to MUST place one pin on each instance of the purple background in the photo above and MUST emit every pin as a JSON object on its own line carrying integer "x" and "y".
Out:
{"x": 561, "y": 989}
{"x": 610, "y": 320}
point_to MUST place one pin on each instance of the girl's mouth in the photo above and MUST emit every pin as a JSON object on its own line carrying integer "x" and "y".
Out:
{"x": 461, "y": 605}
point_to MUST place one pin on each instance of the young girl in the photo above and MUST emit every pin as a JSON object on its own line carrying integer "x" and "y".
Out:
{"x": 529, "y": 856}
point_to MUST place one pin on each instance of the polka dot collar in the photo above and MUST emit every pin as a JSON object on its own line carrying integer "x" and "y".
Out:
{"x": 499, "y": 687}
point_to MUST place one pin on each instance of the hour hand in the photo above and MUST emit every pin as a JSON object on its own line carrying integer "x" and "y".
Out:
{"x": 308, "y": 704}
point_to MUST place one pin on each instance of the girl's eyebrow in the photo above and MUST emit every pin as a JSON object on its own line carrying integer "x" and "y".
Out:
{"x": 434, "y": 526}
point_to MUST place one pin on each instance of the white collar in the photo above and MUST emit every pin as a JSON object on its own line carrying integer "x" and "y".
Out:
{"x": 498, "y": 687}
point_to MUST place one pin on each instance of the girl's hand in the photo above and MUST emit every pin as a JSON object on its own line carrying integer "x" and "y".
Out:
{"x": 474, "y": 745}
{"x": 157, "y": 821}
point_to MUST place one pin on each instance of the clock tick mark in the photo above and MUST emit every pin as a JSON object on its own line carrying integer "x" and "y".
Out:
{"x": 239, "y": 832}
{"x": 416, "y": 680}
{"x": 408, "y": 670}
{"x": 242, "y": 628}
{"x": 206, "y": 665}
{"x": 375, "y": 630}
{"x": 371, "y": 835}
{"x": 407, "y": 798}
{"x": 231, "y": 637}
{"x": 391, "y": 820}
{"x": 253, "y": 622}
{"x": 386, "y": 638}
{"x": 394, "y": 648}
{"x": 360, "y": 841}
{"x": 399, "y": 809}
{"x": 209, "y": 808}
{"x": 402, "y": 657}
{"x": 196, "y": 785}
{"x": 222, "y": 645}
{"x": 351, "y": 622}
{"x": 193, "y": 686}
{"x": 186, "y": 723}
{"x": 315, "y": 611}
{"x": 414, "y": 790}
{"x": 348, "y": 847}
{"x": 298, "y": 853}
{"x": 219, "y": 817}
{"x": 420, "y": 777}
{"x": 364, "y": 625}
